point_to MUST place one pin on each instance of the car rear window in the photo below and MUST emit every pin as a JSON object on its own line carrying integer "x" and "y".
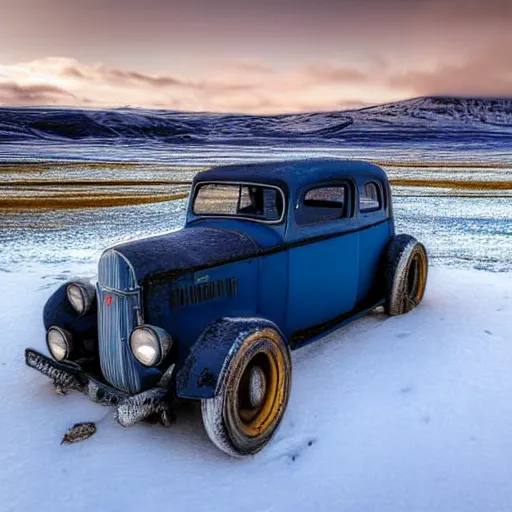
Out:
{"x": 322, "y": 204}
{"x": 258, "y": 202}
{"x": 370, "y": 198}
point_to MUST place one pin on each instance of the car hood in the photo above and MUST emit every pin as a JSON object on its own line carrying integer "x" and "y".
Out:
{"x": 186, "y": 250}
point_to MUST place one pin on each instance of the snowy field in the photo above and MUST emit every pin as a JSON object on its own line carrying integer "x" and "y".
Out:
{"x": 405, "y": 414}
{"x": 200, "y": 155}
{"x": 464, "y": 232}
{"x": 401, "y": 414}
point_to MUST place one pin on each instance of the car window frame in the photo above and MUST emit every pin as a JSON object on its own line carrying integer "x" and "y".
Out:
{"x": 199, "y": 184}
{"x": 349, "y": 187}
{"x": 380, "y": 191}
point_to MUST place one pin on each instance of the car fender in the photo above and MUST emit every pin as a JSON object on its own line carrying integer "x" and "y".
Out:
{"x": 202, "y": 372}
{"x": 58, "y": 311}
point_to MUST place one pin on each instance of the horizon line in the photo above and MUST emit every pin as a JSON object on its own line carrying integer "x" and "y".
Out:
{"x": 240, "y": 114}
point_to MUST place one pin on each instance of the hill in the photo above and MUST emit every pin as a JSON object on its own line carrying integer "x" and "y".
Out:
{"x": 417, "y": 119}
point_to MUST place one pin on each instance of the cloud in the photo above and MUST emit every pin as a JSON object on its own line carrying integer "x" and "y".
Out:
{"x": 324, "y": 72}
{"x": 467, "y": 11}
{"x": 252, "y": 86}
{"x": 14, "y": 94}
{"x": 249, "y": 66}
{"x": 121, "y": 76}
{"x": 233, "y": 86}
{"x": 487, "y": 73}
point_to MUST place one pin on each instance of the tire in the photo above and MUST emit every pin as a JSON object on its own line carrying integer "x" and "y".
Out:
{"x": 406, "y": 270}
{"x": 251, "y": 402}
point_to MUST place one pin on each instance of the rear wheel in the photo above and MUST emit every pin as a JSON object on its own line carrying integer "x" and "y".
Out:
{"x": 254, "y": 393}
{"x": 406, "y": 270}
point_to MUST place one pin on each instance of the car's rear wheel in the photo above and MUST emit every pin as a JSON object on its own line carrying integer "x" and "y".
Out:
{"x": 254, "y": 392}
{"x": 406, "y": 270}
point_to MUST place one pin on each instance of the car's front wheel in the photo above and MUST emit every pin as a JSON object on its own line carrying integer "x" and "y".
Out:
{"x": 406, "y": 270}
{"x": 254, "y": 392}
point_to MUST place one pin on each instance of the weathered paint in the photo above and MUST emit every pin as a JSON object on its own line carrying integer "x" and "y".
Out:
{"x": 58, "y": 311}
{"x": 129, "y": 409}
{"x": 119, "y": 306}
{"x": 200, "y": 375}
{"x": 303, "y": 279}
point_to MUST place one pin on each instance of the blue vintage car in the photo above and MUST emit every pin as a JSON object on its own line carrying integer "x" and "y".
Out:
{"x": 271, "y": 257}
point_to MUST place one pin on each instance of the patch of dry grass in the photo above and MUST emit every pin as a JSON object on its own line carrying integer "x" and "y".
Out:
{"x": 46, "y": 166}
{"x": 85, "y": 192}
{"x": 83, "y": 201}
{"x": 452, "y": 165}
{"x": 93, "y": 183}
{"x": 456, "y": 184}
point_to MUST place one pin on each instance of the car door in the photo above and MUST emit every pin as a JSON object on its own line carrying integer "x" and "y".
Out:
{"x": 373, "y": 239}
{"x": 322, "y": 256}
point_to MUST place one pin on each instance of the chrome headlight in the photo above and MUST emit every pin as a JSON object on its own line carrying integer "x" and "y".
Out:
{"x": 60, "y": 343}
{"x": 150, "y": 345}
{"x": 81, "y": 296}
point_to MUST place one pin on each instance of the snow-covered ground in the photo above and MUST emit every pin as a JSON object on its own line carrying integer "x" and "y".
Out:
{"x": 406, "y": 413}
{"x": 402, "y": 414}
{"x": 463, "y": 232}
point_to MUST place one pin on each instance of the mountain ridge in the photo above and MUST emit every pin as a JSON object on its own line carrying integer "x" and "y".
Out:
{"x": 417, "y": 118}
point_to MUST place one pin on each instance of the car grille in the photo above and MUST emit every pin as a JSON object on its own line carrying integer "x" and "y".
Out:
{"x": 119, "y": 303}
{"x": 194, "y": 294}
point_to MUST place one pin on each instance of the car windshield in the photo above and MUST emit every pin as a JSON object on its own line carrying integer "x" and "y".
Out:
{"x": 258, "y": 202}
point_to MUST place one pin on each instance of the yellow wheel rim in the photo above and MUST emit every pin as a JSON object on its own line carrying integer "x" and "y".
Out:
{"x": 420, "y": 277}
{"x": 257, "y": 420}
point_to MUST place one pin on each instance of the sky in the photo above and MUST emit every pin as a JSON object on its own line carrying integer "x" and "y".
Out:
{"x": 251, "y": 56}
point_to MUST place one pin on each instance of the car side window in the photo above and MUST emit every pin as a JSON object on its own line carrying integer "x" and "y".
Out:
{"x": 322, "y": 204}
{"x": 370, "y": 198}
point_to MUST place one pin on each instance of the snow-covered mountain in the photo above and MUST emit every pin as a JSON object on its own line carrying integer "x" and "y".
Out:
{"x": 473, "y": 113}
{"x": 429, "y": 117}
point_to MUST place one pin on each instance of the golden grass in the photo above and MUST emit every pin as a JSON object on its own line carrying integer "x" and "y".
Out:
{"x": 456, "y": 184}
{"x": 452, "y": 165}
{"x": 65, "y": 202}
{"x": 92, "y": 183}
{"x": 92, "y": 193}
{"x": 46, "y": 166}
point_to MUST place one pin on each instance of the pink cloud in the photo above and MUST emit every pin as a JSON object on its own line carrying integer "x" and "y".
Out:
{"x": 324, "y": 72}
{"x": 14, "y": 94}
{"x": 487, "y": 73}
{"x": 253, "y": 86}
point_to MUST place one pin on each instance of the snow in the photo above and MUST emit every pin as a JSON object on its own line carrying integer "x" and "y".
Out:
{"x": 404, "y": 413}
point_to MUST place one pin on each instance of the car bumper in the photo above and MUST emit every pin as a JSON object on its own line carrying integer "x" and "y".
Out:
{"x": 129, "y": 409}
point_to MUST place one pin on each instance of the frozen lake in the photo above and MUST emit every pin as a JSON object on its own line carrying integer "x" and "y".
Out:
{"x": 474, "y": 232}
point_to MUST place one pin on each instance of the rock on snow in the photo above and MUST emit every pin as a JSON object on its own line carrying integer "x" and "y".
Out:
{"x": 405, "y": 413}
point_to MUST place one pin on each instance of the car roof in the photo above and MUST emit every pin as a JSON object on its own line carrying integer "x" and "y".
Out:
{"x": 294, "y": 173}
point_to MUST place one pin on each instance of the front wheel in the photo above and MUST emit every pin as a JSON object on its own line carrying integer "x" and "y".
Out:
{"x": 254, "y": 392}
{"x": 406, "y": 270}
